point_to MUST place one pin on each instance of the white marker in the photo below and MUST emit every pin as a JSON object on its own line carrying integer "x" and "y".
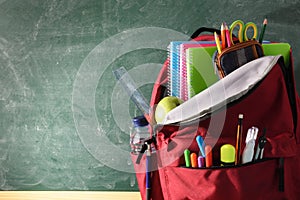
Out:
{"x": 250, "y": 143}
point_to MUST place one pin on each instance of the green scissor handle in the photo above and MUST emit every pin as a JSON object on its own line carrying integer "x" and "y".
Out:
{"x": 242, "y": 30}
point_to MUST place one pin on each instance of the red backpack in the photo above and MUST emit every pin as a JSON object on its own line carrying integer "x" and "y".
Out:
{"x": 272, "y": 103}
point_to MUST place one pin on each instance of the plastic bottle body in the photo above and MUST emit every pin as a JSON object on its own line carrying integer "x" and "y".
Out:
{"x": 139, "y": 132}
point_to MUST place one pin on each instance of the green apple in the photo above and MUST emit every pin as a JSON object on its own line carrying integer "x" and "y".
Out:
{"x": 164, "y": 106}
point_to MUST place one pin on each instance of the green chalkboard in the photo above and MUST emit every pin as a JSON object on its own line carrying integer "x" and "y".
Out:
{"x": 64, "y": 120}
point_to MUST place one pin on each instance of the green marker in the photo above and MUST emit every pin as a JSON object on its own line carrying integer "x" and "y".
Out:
{"x": 187, "y": 158}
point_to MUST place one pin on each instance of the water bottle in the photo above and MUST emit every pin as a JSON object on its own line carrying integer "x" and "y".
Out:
{"x": 139, "y": 132}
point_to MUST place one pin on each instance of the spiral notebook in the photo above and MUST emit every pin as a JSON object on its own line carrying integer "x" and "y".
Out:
{"x": 185, "y": 83}
{"x": 199, "y": 69}
{"x": 175, "y": 70}
{"x": 183, "y": 74}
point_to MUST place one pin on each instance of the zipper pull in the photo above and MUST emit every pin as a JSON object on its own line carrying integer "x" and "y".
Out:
{"x": 144, "y": 148}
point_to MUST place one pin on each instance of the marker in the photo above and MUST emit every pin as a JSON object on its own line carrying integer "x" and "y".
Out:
{"x": 227, "y": 155}
{"x": 228, "y": 40}
{"x": 201, "y": 161}
{"x": 217, "y": 42}
{"x": 208, "y": 156}
{"x": 187, "y": 158}
{"x": 250, "y": 144}
{"x": 261, "y": 36}
{"x": 239, "y": 136}
{"x": 201, "y": 144}
{"x": 223, "y": 36}
{"x": 194, "y": 160}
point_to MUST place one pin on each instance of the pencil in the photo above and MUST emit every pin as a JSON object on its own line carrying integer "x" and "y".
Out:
{"x": 261, "y": 36}
{"x": 223, "y": 39}
{"x": 239, "y": 136}
{"x": 218, "y": 43}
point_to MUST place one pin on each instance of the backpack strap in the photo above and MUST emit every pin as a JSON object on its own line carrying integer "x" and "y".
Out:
{"x": 195, "y": 35}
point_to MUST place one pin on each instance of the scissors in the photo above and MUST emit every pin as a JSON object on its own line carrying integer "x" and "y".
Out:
{"x": 242, "y": 30}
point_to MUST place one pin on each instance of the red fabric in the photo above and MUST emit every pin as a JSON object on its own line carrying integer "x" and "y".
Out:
{"x": 247, "y": 182}
{"x": 293, "y": 83}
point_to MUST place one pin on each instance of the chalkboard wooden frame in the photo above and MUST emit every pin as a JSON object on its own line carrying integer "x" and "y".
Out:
{"x": 67, "y": 195}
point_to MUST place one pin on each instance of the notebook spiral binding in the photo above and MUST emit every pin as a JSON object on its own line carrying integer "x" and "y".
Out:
{"x": 173, "y": 69}
{"x": 169, "y": 83}
{"x": 183, "y": 74}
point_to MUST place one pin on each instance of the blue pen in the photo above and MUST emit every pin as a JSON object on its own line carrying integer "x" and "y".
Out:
{"x": 201, "y": 145}
{"x": 148, "y": 172}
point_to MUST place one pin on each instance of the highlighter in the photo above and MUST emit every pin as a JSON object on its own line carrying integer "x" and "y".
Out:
{"x": 201, "y": 161}
{"x": 194, "y": 160}
{"x": 187, "y": 158}
{"x": 208, "y": 156}
{"x": 227, "y": 155}
{"x": 201, "y": 145}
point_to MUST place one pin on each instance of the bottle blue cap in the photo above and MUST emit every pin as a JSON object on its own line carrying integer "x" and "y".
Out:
{"x": 140, "y": 121}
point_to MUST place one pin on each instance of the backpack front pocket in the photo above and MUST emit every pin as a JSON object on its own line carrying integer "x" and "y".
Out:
{"x": 241, "y": 182}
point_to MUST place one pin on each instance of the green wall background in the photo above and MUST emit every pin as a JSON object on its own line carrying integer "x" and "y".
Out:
{"x": 44, "y": 46}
